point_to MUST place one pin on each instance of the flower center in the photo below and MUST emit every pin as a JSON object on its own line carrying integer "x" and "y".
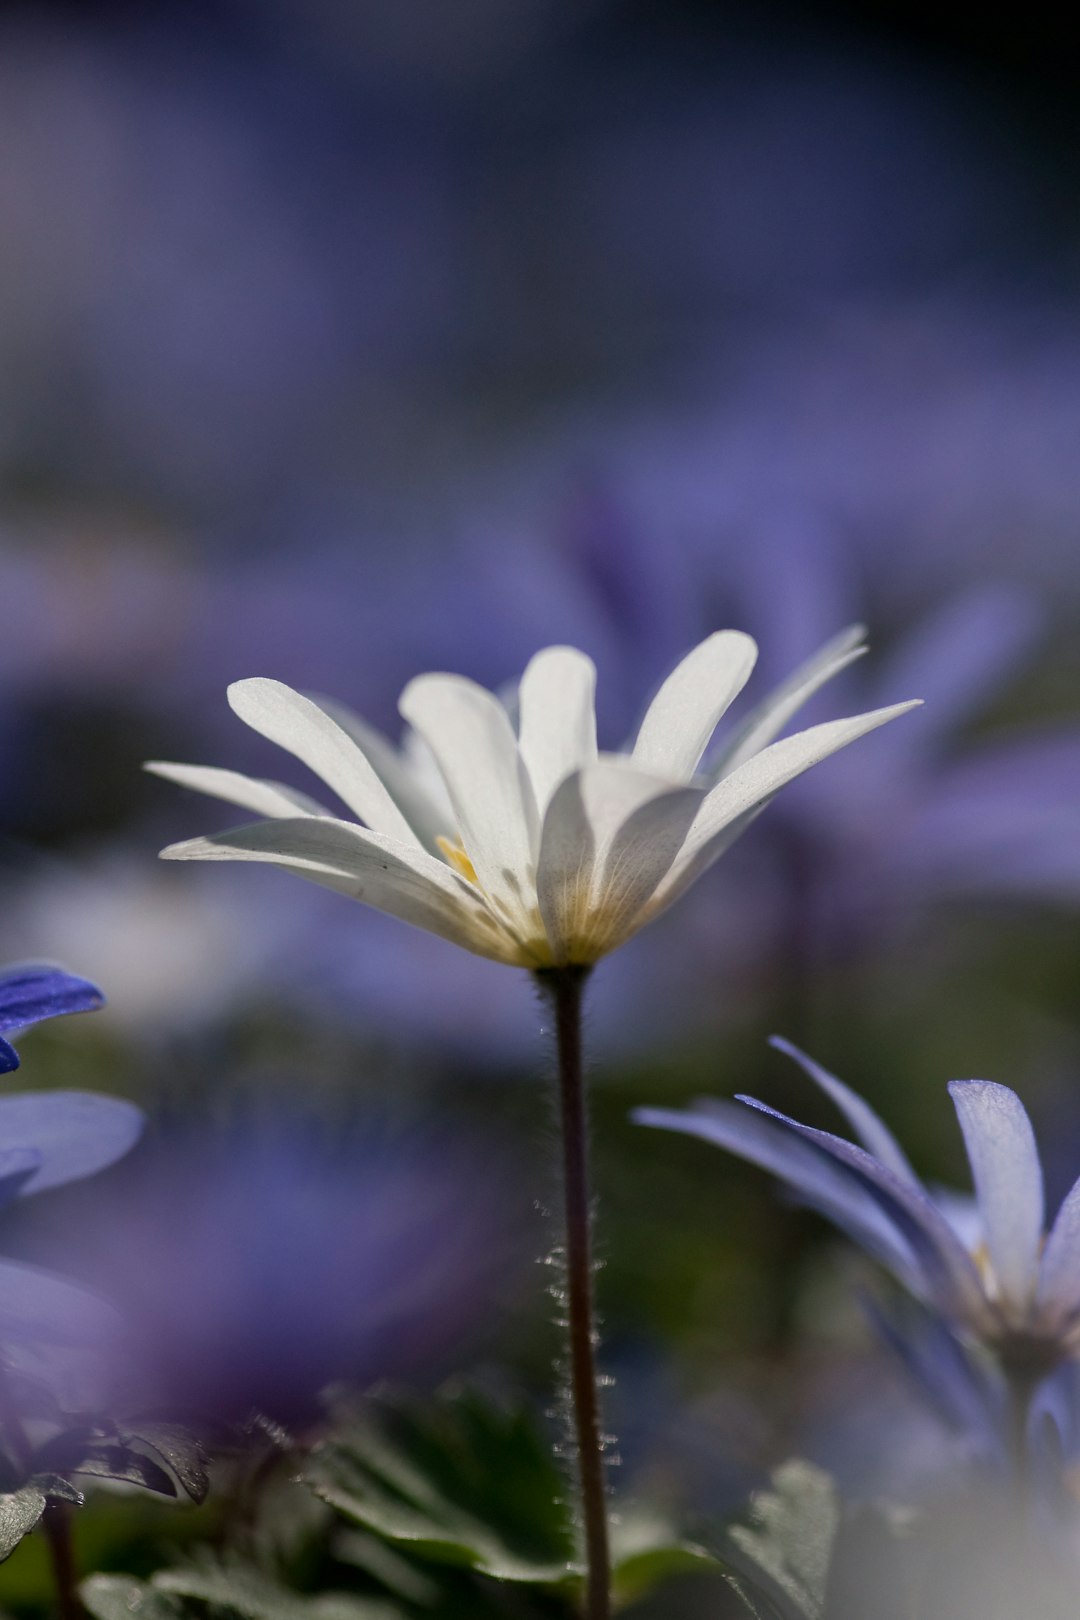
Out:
{"x": 457, "y": 858}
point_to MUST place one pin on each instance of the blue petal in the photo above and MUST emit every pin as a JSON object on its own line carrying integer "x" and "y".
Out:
{"x": 872, "y": 1132}
{"x": 72, "y": 1133}
{"x": 948, "y": 1267}
{"x": 33, "y": 991}
{"x": 9, "y": 1058}
{"x": 826, "y": 1187}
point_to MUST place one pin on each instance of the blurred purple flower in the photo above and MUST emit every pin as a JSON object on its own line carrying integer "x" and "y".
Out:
{"x": 252, "y": 1265}
{"x": 30, "y": 993}
{"x": 56, "y": 1337}
{"x": 933, "y": 815}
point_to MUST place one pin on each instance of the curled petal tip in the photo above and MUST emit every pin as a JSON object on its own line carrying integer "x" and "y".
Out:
{"x": 185, "y": 850}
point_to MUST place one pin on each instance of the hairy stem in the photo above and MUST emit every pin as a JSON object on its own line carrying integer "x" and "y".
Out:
{"x": 565, "y": 986}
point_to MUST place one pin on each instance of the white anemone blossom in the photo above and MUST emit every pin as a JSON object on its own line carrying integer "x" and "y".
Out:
{"x": 501, "y": 826}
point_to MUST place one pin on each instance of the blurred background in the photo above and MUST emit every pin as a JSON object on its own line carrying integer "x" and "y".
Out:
{"x": 341, "y": 340}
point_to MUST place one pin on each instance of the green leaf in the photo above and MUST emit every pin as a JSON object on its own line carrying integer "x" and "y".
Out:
{"x": 119, "y": 1597}
{"x": 254, "y": 1596}
{"x": 226, "y": 1590}
{"x": 646, "y": 1552}
{"x": 386, "y": 1565}
{"x": 19, "y": 1513}
{"x": 781, "y": 1560}
{"x": 464, "y": 1483}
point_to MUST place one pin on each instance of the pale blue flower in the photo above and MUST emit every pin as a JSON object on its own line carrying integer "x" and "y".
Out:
{"x": 987, "y": 1265}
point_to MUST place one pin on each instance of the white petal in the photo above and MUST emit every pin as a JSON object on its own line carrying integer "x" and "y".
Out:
{"x": 249, "y": 792}
{"x": 610, "y": 834}
{"x": 1008, "y": 1181}
{"x": 729, "y": 807}
{"x": 397, "y": 878}
{"x": 405, "y": 783}
{"x": 557, "y": 728}
{"x": 1059, "y": 1273}
{"x": 684, "y": 713}
{"x": 469, "y": 732}
{"x": 770, "y": 717}
{"x": 294, "y": 722}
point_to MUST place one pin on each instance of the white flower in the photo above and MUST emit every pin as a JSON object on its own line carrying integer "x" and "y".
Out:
{"x": 524, "y": 844}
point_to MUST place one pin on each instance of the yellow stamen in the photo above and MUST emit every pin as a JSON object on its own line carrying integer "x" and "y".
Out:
{"x": 457, "y": 858}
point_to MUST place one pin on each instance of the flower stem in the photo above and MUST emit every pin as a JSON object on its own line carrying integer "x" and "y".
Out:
{"x": 566, "y": 986}
{"x": 56, "y": 1523}
{"x": 1022, "y": 1379}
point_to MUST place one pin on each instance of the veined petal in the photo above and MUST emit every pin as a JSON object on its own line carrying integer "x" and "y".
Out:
{"x": 249, "y": 792}
{"x": 872, "y": 1131}
{"x": 401, "y": 879}
{"x": 33, "y": 991}
{"x": 768, "y": 719}
{"x": 747, "y": 790}
{"x": 949, "y": 1269}
{"x": 1008, "y": 1181}
{"x": 610, "y": 834}
{"x": 557, "y": 718}
{"x": 684, "y": 713}
{"x": 398, "y": 774}
{"x": 74, "y": 1133}
{"x": 469, "y": 732}
{"x": 1059, "y": 1273}
{"x": 827, "y": 1187}
{"x": 297, "y": 724}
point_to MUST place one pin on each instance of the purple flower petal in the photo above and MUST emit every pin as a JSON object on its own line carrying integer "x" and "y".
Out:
{"x": 71, "y": 1133}
{"x": 826, "y": 1187}
{"x": 958, "y": 657}
{"x": 954, "y": 1384}
{"x": 1008, "y": 1181}
{"x": 949, "y": 1269}
{"x": 33, "y": 991}
{"x": 872, "y": 1132}
{"x": 1059, "y": 1273}
{"x": 37, "y": 1308}
{"x": 17, "y": 1165}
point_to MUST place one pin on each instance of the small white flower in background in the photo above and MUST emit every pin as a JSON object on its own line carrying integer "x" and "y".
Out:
{"x": 522, "y": 842}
